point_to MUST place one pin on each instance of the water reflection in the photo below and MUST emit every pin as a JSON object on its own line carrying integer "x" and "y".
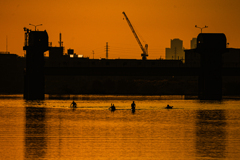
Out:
{"x": 93, "y": 132}
{"x": 35, "y": 133}
{"x": 211, "y": 133}
{"x": 133, "y": 111}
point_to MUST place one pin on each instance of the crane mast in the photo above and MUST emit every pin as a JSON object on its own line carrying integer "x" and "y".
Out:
{"x": 145, "y": 50}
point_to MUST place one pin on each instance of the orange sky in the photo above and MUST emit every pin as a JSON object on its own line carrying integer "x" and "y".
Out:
{"x": 87, "y": 25}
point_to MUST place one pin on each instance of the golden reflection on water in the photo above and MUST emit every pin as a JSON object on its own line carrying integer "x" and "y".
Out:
{"x": 101, "y": 134}
{"x": 11, "y": 133}
{"x": 51, "y": 130}
{"x": 211, "y": 133}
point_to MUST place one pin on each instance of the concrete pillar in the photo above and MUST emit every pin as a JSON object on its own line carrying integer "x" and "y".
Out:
{"x": 34, "y": 81}
{"x": 210, "y": 46}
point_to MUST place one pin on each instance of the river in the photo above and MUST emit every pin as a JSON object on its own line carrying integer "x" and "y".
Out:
{"x": 50, "y": 129}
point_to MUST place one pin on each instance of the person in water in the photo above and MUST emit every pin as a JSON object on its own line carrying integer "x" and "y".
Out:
{"x": 133, "y": 105}
{"x": 112, "y": 108}
{"x": 74, "y": 104}
{"x": 169, "y": 106}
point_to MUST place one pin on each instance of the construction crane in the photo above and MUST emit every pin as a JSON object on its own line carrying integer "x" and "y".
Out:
{"x": 144, "y": 49}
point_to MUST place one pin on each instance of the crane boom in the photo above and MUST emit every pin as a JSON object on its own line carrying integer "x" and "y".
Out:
{"x": 145, "y": 50}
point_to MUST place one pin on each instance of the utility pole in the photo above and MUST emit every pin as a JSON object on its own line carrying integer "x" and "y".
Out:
{"x": 60, "y": 40}
{"x": 107, "y": 50}
{"x": 93, "y": 53}
{"x": 201, "y": 27}
{"x": 6, "y": 44}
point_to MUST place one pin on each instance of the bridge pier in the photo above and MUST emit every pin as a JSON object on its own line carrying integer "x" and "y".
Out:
{"x": 211, "y": 47}
{"x": 36, "y": 43}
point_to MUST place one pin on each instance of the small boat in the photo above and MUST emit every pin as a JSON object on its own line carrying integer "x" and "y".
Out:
{"x": 169, "y": 107}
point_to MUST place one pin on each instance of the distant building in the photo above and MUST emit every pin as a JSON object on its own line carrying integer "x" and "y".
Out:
{"x": 56, "y": 53}
{"x": 176, "y": 52}
{"x": 4, "y": 52}
{"x": 194, "y": 43}
{"x": 231, "y": 58}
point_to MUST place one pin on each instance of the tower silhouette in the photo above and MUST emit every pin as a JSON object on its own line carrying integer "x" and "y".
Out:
{"x": 36, "y": 43}
{"x": 210, "y": 46}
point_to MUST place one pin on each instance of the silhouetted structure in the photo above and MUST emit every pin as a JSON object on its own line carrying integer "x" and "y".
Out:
{"x": 194, "y": 43}
{"x": 211, "y": 47}
{"x": 55, "y": 53}
{"x": 144, "y": 49}
{"x": 176, "y": 51}
{"x": 74, "y": 75}
{"x": 36, "y": 43}
{"x": 11, "y": 72}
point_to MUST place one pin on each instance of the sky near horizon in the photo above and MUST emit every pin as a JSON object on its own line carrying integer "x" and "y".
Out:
{"x": 86, "y": 26}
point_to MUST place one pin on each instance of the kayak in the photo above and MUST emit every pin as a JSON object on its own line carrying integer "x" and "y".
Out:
{"x": 73, "y": 106}
{"x": 169, "y": 107}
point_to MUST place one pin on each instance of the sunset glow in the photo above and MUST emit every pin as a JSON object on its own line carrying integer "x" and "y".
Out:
{"x": 86, "y": 26}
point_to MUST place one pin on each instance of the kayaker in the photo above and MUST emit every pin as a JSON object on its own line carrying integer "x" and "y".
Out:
{"x": 74, "y": 104}
{"x": 112, "y": 108}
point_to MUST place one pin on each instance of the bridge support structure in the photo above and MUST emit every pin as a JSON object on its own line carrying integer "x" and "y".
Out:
{"x": 36, "y": 43}
{"x": 210, "y": 46}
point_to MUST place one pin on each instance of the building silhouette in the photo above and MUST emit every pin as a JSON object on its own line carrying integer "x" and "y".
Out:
{"x": 193, "y": 43}
{"x": 13, "y": 69}
{"x": 230, "y": 58}
{"x": 176, "y": 52}
{"x": 212, "y": 56}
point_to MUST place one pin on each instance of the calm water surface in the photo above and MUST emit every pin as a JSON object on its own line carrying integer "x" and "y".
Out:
{"x": 49, "y": 129}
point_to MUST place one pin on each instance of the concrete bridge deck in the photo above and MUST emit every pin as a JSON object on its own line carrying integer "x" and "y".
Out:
{"x": 133, "y": 71}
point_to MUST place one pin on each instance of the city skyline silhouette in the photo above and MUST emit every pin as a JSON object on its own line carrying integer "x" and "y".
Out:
{"x": 201, "y": 90}
{"x": 207, "y": 64}
{"x": 87, "y": 26}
